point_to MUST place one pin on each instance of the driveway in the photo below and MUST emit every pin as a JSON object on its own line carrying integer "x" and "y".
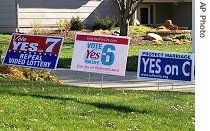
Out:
{"x": 129, "y": 82}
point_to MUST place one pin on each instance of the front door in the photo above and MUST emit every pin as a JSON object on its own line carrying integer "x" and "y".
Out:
{"x": 144, "y": 16}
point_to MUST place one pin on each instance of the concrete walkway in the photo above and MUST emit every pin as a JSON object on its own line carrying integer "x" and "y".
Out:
{"x": 129, "y": 82}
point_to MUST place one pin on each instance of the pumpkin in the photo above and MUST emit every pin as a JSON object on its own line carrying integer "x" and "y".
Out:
{"x": 168, "y": 23}
{"x": 175, "y": 27}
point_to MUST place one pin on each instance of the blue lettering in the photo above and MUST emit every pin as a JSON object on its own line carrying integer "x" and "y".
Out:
{"x": 107, "y": 57}
{"x": 92, "y": 62}
{"x": 94, "y": 45}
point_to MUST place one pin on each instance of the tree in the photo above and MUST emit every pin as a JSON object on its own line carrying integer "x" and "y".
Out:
{"x": 126, "y": 10}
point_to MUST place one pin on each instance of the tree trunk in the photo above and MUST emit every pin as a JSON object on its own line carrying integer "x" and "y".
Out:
{"x": 124, "y": 25}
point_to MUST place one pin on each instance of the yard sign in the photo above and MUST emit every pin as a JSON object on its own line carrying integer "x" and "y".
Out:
{"x": 170, "y": 66}
{"x": 34, "y": 51}
{"x": 103, "y": 54}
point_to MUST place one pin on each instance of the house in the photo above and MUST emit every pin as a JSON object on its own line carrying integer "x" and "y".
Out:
{"x": 157, "y": 11}
{"x": 22, "y": 15}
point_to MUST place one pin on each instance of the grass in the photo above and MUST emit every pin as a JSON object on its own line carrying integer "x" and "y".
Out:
{"x": 28, "y": 105}
{"x": 132, "y": 60}
{"x": 4, "y": 41}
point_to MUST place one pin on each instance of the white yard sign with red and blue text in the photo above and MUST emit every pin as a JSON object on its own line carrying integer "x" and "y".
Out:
{"x": 34, "y": 51}
{"x": 103, "y": 54}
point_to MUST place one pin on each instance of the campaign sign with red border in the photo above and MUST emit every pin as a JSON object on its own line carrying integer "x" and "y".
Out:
{"x": 105, "y": 54}
{"x": 34, "y": 51}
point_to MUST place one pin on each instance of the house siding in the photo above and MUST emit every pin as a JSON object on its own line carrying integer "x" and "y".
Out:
{"x": 48, "y": 12}
{"x": 8, "y": 19}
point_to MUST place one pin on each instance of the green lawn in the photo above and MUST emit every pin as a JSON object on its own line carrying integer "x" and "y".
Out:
{"x": 28, "y": 105}
{"x": 4, "y": 41}
{"x": 132, "y": 60}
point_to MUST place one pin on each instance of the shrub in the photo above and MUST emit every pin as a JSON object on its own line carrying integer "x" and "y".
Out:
{"x": 63, "y": 25}
{"x": 141, "y": 29}
{"x": 36, "y": 25}
{"x": 103, "y": 32}
{"x": 77, "y": 24}
{"x": 103, "y": 23}
{"x": 182, "y": 36}
{"x": 27, "y": 74}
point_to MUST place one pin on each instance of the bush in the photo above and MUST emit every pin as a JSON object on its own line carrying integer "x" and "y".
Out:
{"x": 141, "y": 29}
{"x": 77, "y": 24}
{"x": 103, "y": 23}
{"x": 63, "y": 25}
{"x": 15, "y": 72}
{"x": 182, "y": 36}
{"x": 36, "y": 27}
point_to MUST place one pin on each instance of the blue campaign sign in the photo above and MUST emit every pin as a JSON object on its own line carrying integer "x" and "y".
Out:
{"x": 165, "y": 66}
{"x": 34, "y": 51}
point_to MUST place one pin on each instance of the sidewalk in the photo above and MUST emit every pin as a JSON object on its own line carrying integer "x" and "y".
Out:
{"x": 129, "y": 82}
